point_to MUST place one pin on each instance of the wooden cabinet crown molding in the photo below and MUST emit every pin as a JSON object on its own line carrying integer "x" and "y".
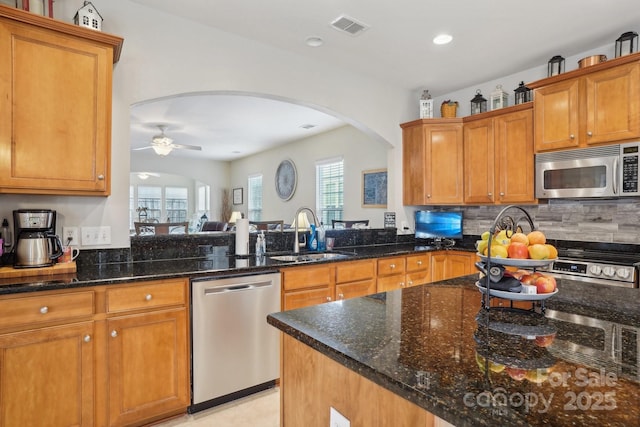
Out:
{"x": 585, "y": 71}
{"x": 62, "y": 27}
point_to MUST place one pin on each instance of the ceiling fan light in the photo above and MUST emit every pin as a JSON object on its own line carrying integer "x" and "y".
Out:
{"x": 162, "y": 150}
{"x": 162, "y": 139}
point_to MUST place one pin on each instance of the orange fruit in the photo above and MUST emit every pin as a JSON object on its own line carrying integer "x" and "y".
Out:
{"x": 553, "y": 252}
{"x": 519, "y": 238}
{"x": 537, "y": 237}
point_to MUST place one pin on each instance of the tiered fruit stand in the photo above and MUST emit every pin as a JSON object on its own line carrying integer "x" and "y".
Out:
{"x": 491, "y": 267}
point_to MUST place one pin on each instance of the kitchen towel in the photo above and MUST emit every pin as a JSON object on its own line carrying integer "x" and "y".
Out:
{"x": 242, "y": 236}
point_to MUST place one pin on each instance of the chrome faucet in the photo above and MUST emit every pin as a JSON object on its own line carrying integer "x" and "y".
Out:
{"x": 296, "y": 243}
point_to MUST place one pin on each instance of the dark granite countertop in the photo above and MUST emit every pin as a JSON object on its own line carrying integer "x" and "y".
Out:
{"x": 435, "y": 346}
{"x": 217, "y": 264}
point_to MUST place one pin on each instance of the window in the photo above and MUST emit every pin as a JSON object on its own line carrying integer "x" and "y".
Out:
{"x": 254, "y": 198}
{"x": 330, "y": 189}
{"x": 158, "y": 203}
{"x": 176, "y": 204}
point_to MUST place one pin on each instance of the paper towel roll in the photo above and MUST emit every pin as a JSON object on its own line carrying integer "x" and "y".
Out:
{"x": 242, "y": 236}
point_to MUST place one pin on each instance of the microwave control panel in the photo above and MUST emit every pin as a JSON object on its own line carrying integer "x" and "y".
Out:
{"x": 629, "y": 154}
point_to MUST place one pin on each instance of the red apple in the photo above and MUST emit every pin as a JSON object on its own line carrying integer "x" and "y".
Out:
{"x": 528, "y": 279}
{"x": 518, "y": 250}
{"x": 516, "y": 373}
{"x": 545, "y": 284}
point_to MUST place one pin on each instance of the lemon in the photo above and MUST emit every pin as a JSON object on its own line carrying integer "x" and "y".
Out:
{"x": 481, "y": 245}
{"x": 499, "y": 251}
{"x": 485, "y": 235}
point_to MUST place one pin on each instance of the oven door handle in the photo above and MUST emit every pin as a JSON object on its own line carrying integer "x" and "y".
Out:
{"x": 615, "y": 176}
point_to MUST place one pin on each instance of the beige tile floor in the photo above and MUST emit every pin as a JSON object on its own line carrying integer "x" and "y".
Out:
{"x": 258, "y": 410}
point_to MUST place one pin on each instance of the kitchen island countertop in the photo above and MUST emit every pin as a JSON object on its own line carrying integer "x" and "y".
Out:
{"x": 434, "y": 345}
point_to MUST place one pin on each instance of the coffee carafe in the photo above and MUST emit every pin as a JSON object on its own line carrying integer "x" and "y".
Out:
{"x": 36, "y": 242}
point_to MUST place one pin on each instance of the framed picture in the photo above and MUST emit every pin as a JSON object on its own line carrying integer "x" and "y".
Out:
{"x": 237, "y": 196}
{"x": 374, "y": 188}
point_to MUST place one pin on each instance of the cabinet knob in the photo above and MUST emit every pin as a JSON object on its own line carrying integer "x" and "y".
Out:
{"x": 402, "y": 284}
{"x": 392, "y": 266}
{"x": 489, "y": 194}
{"x": 410, "y": 283}
{"x": 148, "y": 297}
{"x": 340, "y": 296}
{"x": 502, "y": 194}
{"x": 44, "y": 309}
{"x": 428, "y": 196}
{"x": 419, "y": 262}
{"x": 100, "y": 177}
{"x": 87, "y": 338}
{"x": 328, "y": 299}
{"x": 572, "y": 136}
{"x": 589, "y": 133}
{"x": 114, "y": 333}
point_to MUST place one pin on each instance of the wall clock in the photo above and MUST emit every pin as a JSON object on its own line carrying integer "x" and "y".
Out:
{"x": 286, "y": 179}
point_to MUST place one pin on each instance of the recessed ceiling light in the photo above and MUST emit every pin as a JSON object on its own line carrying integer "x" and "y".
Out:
{"x": 314, "y": 41}
{"x": 442, "y": 39}
{"x": 308, "y": 126}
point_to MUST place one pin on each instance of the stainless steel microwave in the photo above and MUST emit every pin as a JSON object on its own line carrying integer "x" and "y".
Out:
{"x": 608, "y": 171}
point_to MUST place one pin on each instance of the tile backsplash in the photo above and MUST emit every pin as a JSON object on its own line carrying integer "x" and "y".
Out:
{"x": 608, "y": 221}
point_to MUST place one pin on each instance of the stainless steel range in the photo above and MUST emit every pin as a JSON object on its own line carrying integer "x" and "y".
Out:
{"x": 608, "y": 264}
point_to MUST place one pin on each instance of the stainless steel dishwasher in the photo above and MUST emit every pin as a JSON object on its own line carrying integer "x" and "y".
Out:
{"x": 234, "y": 351}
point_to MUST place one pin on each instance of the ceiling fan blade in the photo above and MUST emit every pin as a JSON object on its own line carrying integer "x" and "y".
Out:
{"x": 188, "y": 147}
{"x": 141, "y": 148}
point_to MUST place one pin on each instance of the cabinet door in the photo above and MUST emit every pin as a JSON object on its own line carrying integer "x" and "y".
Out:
{"x": 613, "y": 104}
{"x": 445, "y": 163}
{"x": 414, "y": 166}
{"x": 556, "y": 116}
{"x": 389, "y": 283}
{"x": 148, "y": 366}
{"x": 438, "y": 268}
{"x": 479, "y": 162}
{"x": 515, "y": 166}
{"x": 55, "y": 100}
{"x": 360, "y": 288}
{"x": 47, "y": 376}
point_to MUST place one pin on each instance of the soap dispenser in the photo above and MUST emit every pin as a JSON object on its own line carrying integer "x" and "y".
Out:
{"x": 263, "y": 243}
{"x": 259, "y": 245}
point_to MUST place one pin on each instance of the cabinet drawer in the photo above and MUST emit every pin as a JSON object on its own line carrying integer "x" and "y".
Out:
{"x": 418, "y": 278}
{"x": 356, "y": 270}
{"x": 148, "y": 295}
{"x": 393, "y": 265}
{"x": 46, "y": 308}
{"x": 306, "y": 277}
{"x": 418, "y": 262}
{"x": 355, "y": 289}
{"x": 300, "y": 299}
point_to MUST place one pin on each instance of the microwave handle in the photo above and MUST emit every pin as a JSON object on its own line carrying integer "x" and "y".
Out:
{"x": 615, "y": 176}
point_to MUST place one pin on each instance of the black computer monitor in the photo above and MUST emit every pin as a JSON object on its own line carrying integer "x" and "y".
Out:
{"x": 438, "y": 225}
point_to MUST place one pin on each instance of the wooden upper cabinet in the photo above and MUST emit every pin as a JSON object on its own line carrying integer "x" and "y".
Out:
{"x": 432, "y": 162}
{"x": 498, "y": 157}
{"x": 55, "y": 93}
{"x": 595, "y": 105}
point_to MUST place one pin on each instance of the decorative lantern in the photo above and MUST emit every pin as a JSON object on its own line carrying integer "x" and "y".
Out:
{"x": 39, "y": 7}
{"x": 627, "y": 43}
{"x": 426, "y": 105}
{"x": 478, "y": 103}
{"x": 499, "y": 98}
{"x": 522, "y": 94}
{"x": 555, "y": 66}
{"x": 87, "y": 16}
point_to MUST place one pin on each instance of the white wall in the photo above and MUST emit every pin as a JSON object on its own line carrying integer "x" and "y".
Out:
{"x": 358, "y": 150}
{"x": 164, "y": 55}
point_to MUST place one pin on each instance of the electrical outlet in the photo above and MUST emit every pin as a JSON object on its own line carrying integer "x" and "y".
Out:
{"x": 336, "y": 419}
{"x": 70, "y": 235}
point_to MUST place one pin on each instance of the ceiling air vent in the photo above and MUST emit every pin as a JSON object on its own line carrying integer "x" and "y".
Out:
{"x": 349, "y": 25}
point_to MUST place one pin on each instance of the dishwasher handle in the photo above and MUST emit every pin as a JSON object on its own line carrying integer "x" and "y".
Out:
{"x": 237, "y": 287}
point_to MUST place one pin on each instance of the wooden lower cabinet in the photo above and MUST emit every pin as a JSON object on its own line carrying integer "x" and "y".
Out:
{"x": 306, "y": 285}
{"x": 101, "y": 356}
{"x": 47, "y": 376}
{"x": 391, "y": 273}
{"x": 449, "y": 264}
{"x": 311, "y": 384}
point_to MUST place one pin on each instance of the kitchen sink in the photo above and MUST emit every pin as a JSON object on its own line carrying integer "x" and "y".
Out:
{"x": 309, "y": 257}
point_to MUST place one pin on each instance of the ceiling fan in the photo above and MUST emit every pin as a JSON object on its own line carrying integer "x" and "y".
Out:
{"x": 163, "y": 145}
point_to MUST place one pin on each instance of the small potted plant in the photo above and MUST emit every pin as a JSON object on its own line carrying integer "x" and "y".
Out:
{"x": 449, "y": 108}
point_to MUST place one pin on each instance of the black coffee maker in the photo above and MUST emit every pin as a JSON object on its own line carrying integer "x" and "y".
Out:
{"x": 36, "y": 242}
